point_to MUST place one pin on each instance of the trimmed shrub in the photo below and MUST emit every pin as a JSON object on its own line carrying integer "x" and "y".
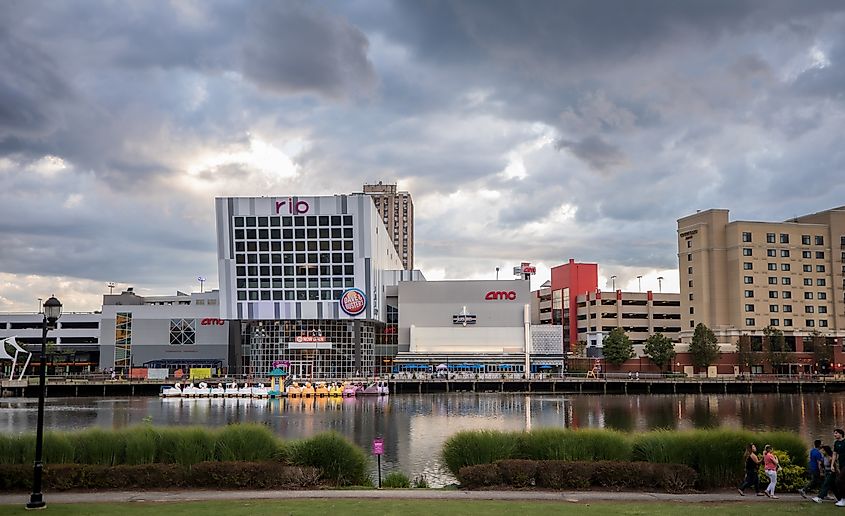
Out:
{"x": 517, "y": 472}
{"x": 339, "y": 461}
{"x": 479, "y": 475}
{"x": 396, "y": 479}
{"x": 473, "y": 447}
{"x": 559, "y": 474}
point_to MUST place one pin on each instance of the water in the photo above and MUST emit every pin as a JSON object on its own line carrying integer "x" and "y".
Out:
{"x": 414, "y": 427}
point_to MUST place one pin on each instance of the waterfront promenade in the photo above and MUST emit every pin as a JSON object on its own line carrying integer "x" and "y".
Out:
{"x": 611, "y": 383}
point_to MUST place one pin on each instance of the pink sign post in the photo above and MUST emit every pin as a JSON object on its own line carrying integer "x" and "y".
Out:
{"x": 378, "y": 451}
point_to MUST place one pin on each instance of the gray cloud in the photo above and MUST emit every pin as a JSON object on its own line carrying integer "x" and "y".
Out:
{"x": 594, "y": 151}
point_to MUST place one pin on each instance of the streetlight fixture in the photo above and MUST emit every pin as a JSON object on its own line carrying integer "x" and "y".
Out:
{"x": 52, "y": 311}
{"x": 639, "y": 283}
{"x": 660, "y": 283}
{"x": 613, "y": 282}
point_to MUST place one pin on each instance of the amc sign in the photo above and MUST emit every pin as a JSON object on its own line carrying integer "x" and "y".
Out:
{"x": 212, "y": 322}
{"x": 500, "y": 295}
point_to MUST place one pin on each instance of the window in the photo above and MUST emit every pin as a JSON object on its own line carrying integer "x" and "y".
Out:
{"x": 774, "y": 322}
{"x": 773, "y": 308}
{"x": 690, "y": 296}
{"x": 748, "y": 280}
{"x": 786, "y": 294}
{"x": 820, "y": 282}
{"x": 806, "y": 254}
{"x": 749, "y": 308}
{"x": 786, "y": 281}
{"x": 810, "y": 323}
{"x": 808, "y": 268}
{"x": 770, "y": 238}
{"x": 822, "y": 295}
{"x": 747, "y": 266}
{"x": 772, "y": 266}
{"x": 808, "y": 295}
{"x": 787, "y": 308}
{"x": 823, "y": 323}
{"x": 787, "y": 322}
{"x": 773, "y": 294}
{"x": 772, "y": 280}
{"x": 183, "y": 331}
{"x": 822, "y": 309}
{"x": 784, "y": 238}
{"x": 749, "y": 293}
{"x": 749, "y": 321}
{"x": 819, "y": 268}
{"x": 689, "y": 257}
{"x": 784, "y": 253}
{"x": 805, "y": 239}
{"x": 819, "y": 255}
{"x": 808, "y": 281}
{"x": 819, "y": 240}
{"x": 691, "y": 310}
{"x": 771, "y": 252}
{"x": 689, "y": 244}
{"x": 746, "y": 251}
{"x": 746, "y": 236}
{"x": 689, "y": 270}
{"x": 809, "y": 309}
{"x": 690, "y": 283}
{"x": 784, "y": 266}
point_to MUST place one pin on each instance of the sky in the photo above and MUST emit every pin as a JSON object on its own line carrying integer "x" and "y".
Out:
{"x": 525, "y": 131}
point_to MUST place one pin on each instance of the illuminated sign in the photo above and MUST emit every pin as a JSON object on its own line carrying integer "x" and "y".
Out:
{"x": 353, "y": 301}
{"x": 212, "y": 322}
{"x": 524, "y": 268}
{"x": 309, "y": 338}
{"x": 500, "y": 295}
{"x": 463, "y": 317}
{"x": 292, "y": 207}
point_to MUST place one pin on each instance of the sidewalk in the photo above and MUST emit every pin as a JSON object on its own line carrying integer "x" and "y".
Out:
{"x": 420, "y": 494}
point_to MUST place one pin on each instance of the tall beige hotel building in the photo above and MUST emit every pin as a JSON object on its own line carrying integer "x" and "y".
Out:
{"x": 739, "y": 277}
{"x": 397, "y": 212}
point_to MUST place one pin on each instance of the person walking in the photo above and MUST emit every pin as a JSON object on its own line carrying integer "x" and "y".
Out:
{"x": 752, "y": 464}
{"x": 814, "y": 469}
{"x": 829, "y": 477}
{"x": 837, "y": 462}
{"x": 771, "y": 466}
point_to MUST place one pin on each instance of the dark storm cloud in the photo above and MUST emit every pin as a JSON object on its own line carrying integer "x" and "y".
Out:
{"x": 594, "y": 151}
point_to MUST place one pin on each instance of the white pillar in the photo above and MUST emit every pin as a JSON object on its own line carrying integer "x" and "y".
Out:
{"x": 526, "y": 321}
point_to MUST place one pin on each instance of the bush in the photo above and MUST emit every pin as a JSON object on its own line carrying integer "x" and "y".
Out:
{"x": 791, "y": 477}
{"x": 140, "y": 445}
{"x": 469, "y": 448}
{"x": 517, "y": 472}
{"x": 420, "y": 482}
{"x": 396, "y": 479}
{"x": 339, "y": 461}
{"x": 246, "y": 442}
{"x": 573, "y": 445}
{"x": 559, "y": 474}
{"x": 479, "y": 475}
{"x": 95, "y": 446}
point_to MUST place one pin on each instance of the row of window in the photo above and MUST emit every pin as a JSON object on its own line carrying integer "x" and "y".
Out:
{"x": 748, "y": 266}
{"x": 278, "y": 283}
{"x": 810, "y": 323}
{"x": 299, "y": 270}
{"x": 784, "y": 253}
{"x": 773, "y": 280}
{"x": 809, "y": 309}
{"x": 784, "y": 238}
{"x": 311, "y": 258}
{"x": 310, "y": 220}
{"x": 277, "y": 234}
{"x": 291, "y": 295}
{"x": 773, "y": 294}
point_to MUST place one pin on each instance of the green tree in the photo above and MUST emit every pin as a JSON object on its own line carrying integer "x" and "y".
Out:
{"x": 774, "y": 345}
{"x": 822, "y": 350}
{"x": 746, "y": 357}
{"x": 661, "y": 350}
{"x": 703, "y": 348}
{"x": 580, "y": 348}
{"x": 617, "y": 347}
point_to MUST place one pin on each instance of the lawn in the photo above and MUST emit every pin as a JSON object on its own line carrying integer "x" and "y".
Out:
{"x": 421, "y": 507}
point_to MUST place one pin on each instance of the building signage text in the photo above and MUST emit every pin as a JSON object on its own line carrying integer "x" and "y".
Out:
{"x": 310, "y": 338}
{"x": 212, "y": 322}
{"x": 292, "y": 207}
{"x": 353, "y": 301}
{"x": 500, "y": 295}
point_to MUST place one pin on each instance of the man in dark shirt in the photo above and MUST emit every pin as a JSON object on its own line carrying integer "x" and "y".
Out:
{"x": 838, "y": 461}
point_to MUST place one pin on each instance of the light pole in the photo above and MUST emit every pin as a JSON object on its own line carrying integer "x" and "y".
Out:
{"x": 613, "y": 283}
{"x": 660, "y": 283}
{"x": 111, "y": 285}
{"x": 40, "y": 299}
{"x": 201, "y": 279}
{"x": 639, "y": 283}
{"x": 52, "y": 312}
{"x": 497, "y": 273}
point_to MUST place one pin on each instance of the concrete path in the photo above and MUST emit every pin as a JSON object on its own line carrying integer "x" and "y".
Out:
{"x": 387, "y": 494}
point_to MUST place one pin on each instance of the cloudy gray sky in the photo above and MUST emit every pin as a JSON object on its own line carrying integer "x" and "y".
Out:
{"x": 536, "y": 131}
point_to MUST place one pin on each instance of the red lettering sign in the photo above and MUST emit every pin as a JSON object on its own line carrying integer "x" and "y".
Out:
{"x": 212, "y": 322}
{"x": 500, "y": 295}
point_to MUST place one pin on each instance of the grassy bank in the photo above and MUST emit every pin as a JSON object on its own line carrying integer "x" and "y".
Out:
{"x": 339, "y": 461}
{"x": 422, "y": 508}
{"x": 717, "y": 454}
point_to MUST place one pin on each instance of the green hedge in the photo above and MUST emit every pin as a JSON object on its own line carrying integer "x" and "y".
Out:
{"x": 715, "y": 454}
{"x": 556, "y": 474}
{"x": 227, "y": 475}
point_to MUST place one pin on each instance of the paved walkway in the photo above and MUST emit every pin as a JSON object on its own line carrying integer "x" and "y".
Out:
{"x": 419, "y": 494}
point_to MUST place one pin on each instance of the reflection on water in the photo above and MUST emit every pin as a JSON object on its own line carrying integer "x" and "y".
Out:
{"x": 415, "y": 426}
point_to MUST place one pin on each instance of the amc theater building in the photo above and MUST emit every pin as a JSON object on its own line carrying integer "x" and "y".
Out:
{"x": 305, "y": 278}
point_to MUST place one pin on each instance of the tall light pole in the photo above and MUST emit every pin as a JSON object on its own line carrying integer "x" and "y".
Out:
{"x": 660, "y": 283}
{"x": 201, "y": 279}
{"x": 52, "y": 312}
{"x": 497, "y": 273}
{"x": 111, "y": 285}
{"x": 40, "y": 299}
{"x": 639, "y": 283}
{"x": 613, "y": 282}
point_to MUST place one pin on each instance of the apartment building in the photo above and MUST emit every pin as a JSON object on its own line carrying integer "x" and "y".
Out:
{"x": 639, "y": 314}
{"x": 740, "y": 277}
{"x": 541, "y": 305}
{"x": 397, "y": 212}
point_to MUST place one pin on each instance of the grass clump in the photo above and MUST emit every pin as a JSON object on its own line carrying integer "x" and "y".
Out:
{"x": 396, "y": 480}
{"x": 339, "y": 461}
{"x": 140, "y": 445}
{"x": 574, "y": 445}
{"x": 247, "y": 443}
{"x": 472, "y": 447}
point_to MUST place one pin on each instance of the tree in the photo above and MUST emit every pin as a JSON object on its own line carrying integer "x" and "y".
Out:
{"x": 661, "y": 350}
{"x": 746, "y": 357}
{"x": 774, "y": 344}
{"x": 822, "y": 351}
{"x": 617, "y": 347}
{"x": 703, "y": 348}
{"x": 580, "y": 348}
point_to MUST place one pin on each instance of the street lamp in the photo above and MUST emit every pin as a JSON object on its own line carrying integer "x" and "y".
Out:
{"x": 639, "y": 283}
{"x": 52, "y": 311}
{"x": 660, "y": 283}
{"x": 613, "y": 282}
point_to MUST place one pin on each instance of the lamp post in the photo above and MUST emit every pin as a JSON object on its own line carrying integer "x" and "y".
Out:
{"x": 52, "y": 312}
{"x": 639, "y": 283}
{"x": 613, "y": 282}
{"x": 660, "y": 283}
